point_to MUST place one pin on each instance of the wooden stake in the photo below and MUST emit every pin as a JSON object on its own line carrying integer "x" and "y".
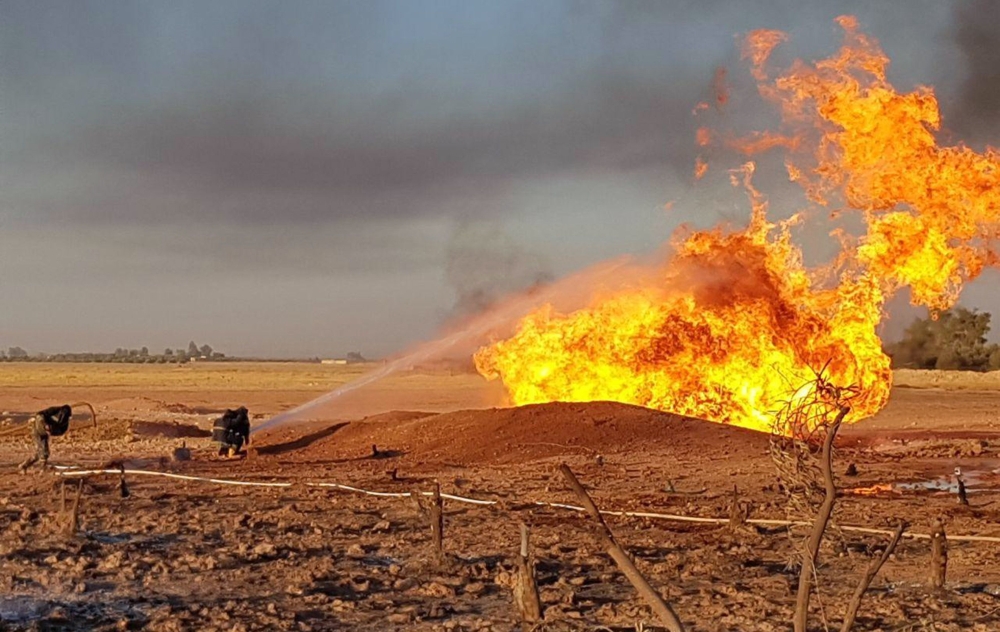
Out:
{"x": 418, "y": 502}
{"x": 437, "y": 522}
{"x": 662, "y": 610}
{"x": 811, "y": 553}
{"x": 122, "y": 485}
{"x": 737, "y": 515}
{"x": 73, "y": 523}
{"x": 939, "y": 555}
{"x": 963, "y": 498}
{"x": 866, "y": 580}
{"x": 529, "y": 606}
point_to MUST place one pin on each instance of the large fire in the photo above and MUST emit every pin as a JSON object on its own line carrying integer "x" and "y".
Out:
{"x": 735, "y": 325}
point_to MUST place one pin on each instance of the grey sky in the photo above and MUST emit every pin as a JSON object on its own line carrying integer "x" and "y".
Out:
{"x": 297, "y": 178}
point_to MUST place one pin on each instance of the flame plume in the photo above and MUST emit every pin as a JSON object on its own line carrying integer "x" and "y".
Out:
{"x": 734, "y": 324}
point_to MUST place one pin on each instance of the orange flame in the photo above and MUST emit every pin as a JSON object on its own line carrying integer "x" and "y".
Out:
{"x": 877, "y": 489}
{"x": 760, "y": 142}
{"x": 735, "y": 324}
{"x": 703, "y": 136}
{"x": 700, "y": 169}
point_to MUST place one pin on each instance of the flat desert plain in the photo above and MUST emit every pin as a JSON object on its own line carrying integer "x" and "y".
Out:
{"x": 194, "y": 552}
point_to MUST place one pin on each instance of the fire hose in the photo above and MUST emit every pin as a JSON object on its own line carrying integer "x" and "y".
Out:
{"x": 7, "y": 432}
{"x": 68, "y": 471}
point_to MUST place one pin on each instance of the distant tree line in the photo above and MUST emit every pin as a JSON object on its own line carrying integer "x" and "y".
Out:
{"x": 121, "y": 355}
{"x": 954, "y": 341}
{"x": 193, "y": 353}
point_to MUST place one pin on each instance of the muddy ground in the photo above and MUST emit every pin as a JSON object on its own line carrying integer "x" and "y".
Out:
{"x": 192, "y": 555}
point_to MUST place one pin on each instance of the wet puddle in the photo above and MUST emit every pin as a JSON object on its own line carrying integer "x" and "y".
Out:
{"x": 20, "y": 609}
{"x": 975, "y": 480}
{"x": 70, "y": 613}
{"x": 379, "y": 561}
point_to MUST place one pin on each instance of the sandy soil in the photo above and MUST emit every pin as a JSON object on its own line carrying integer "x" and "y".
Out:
{"x": 179, "y": 555}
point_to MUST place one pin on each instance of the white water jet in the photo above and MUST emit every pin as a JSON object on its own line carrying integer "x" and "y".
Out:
{"x": 473, "y": 332}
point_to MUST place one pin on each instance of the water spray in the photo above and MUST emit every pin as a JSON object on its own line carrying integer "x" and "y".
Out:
{"x": 474, "y": 330}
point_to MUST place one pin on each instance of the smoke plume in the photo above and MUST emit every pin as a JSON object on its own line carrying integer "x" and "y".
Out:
{"x": 485, "y": 264}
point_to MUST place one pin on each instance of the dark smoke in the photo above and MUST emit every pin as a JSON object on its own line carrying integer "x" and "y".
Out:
{"x": 484, "y": 264}
{"x": 974, "y": 116}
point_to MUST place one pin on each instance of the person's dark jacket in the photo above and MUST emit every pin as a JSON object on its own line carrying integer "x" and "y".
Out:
{"x": 232, "y": 428}
{"x": 56, "y": 419}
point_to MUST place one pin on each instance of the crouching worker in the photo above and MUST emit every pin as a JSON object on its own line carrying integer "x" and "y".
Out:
{"x": 231, "y": 431}
{"x": 52, "y": 421}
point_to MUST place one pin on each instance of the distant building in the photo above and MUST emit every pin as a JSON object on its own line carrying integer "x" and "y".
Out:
{"x": 333, "y": 361}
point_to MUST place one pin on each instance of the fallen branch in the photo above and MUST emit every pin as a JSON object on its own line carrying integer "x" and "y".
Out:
{"x": 866, "y": 580}
{"x": 662, "y": 610}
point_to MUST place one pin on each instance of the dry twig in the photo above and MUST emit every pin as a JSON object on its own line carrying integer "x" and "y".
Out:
{"x": 811, "y": 554}
{"x": 866, "y": 580}
{"x": 662, "y": 610}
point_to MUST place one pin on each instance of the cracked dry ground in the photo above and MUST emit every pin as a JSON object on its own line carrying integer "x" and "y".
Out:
{"x": 179, "y": 555}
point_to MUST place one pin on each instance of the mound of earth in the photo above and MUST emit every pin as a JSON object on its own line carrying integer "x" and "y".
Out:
{"x": 168, "y": 430}
{"x": 510, "y": 435}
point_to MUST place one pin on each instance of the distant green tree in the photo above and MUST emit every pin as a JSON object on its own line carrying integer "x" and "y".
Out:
{"x": 16, "y": 353}
{"x": 192, "y": 349}
{"x": 206, "y": 351}
{"x": 168, "y": 352}
{"x": 954, "y": 341}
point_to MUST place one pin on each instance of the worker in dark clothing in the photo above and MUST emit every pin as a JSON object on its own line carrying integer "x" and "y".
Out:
{"x": 52, "y": 421}
{"x": 231, "y": 431}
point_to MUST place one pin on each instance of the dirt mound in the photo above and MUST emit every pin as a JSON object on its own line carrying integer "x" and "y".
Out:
{"x": 510, "y": 435}
{"x": 136, "y": 404}
{"x": 184, "y": 409}
{"x": 144, "y": 429}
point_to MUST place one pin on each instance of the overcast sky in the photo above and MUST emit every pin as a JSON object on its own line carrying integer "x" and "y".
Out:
{"x": 311, "y": 178}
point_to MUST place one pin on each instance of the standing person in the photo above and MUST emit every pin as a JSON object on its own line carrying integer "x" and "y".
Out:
{"x": 231, "y": 431}
{"x": 52, "y": 421}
